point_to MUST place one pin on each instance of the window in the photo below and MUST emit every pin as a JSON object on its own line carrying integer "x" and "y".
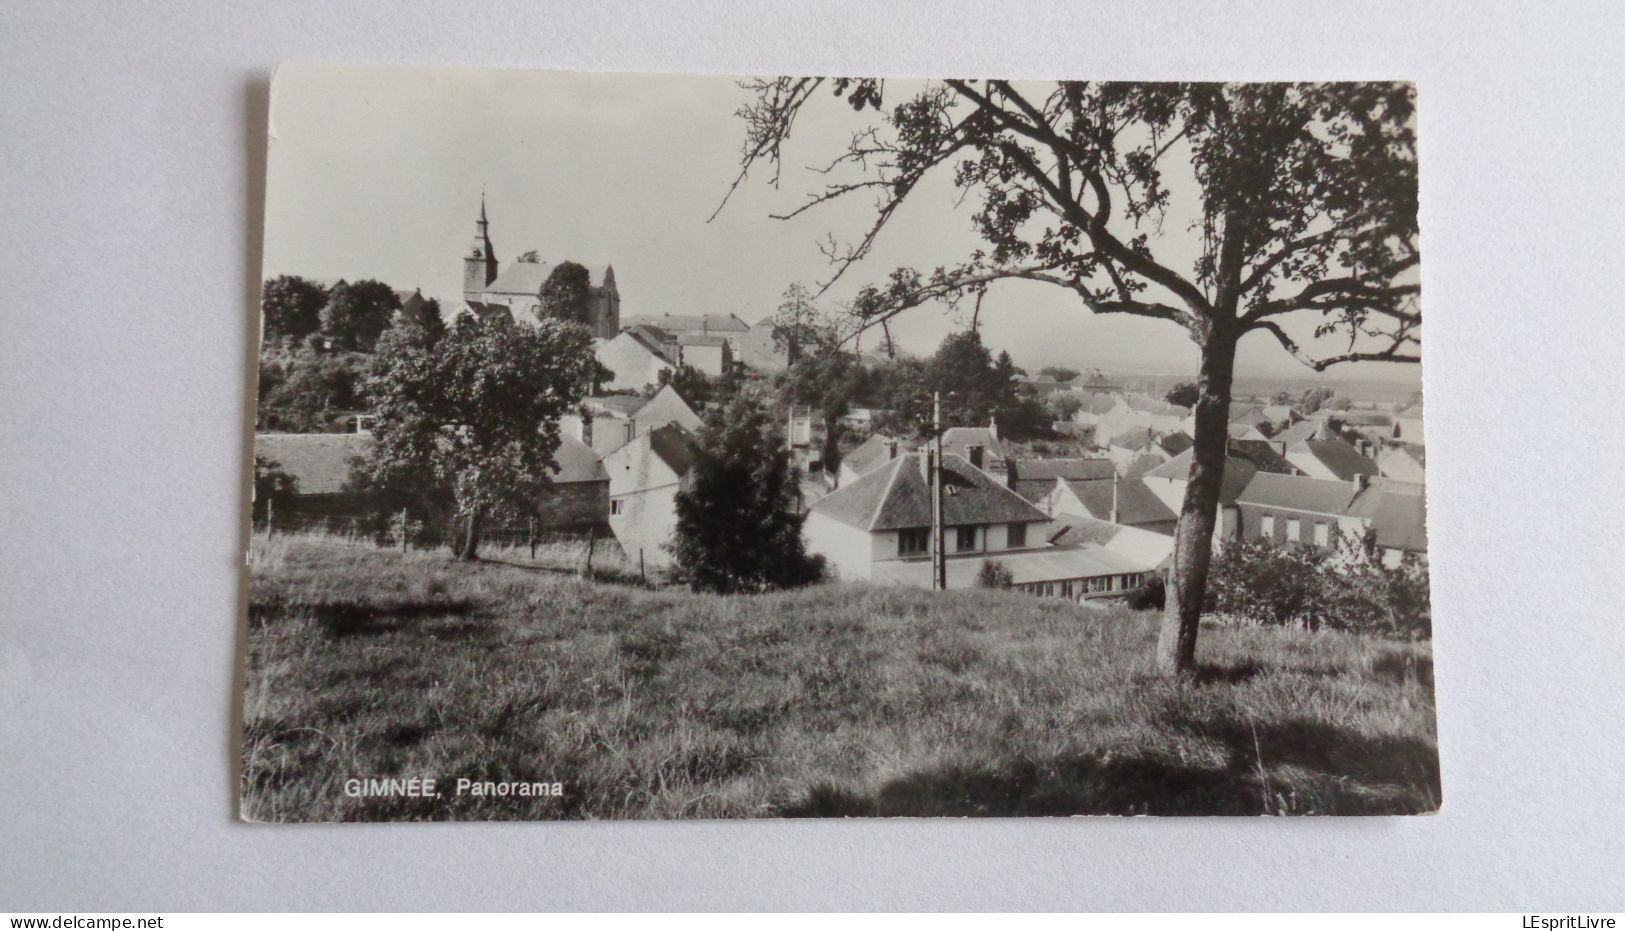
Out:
{"x": 1323, "y": 534}
{"x": 615, "y": 506}
{"x": 1016, "y": 535}
{"x": 1293, "y": 532}
{"x": 966, "y": 541}
{"x": 1266, "y": 526}
{"x": 914, "y": 541}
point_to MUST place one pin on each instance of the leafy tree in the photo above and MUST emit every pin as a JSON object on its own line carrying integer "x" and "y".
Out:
{"x": 1301, "y": 199}
{"x": 1059, "y": 373}
{"x": 1313, "y": 399}
{"x": 737, "y": 527}
{"x": 829, "y": 383}
{"x": 1062, "y": 405}
{"x": 430, "y": 323}
{"x": 1339, "y": 402}
{"x": 358, "y": 313}
{"x": 292, "y": 306}
{"x": 1185, "y": 394}
{"x": 301, "y": 389}
{"x": 1342, "y": 587}
{"x": 477, "y": 413}
{"x": 692, "y": 385}
{"x": 273, "y": 488}
{"x": 567, "y": 294}
{"x": 800, "y": 326}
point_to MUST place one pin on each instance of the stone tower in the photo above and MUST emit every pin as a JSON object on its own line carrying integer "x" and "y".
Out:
{"x": 480, "y": 265}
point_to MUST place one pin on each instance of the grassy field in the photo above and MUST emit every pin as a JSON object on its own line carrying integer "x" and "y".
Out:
{"x": 831, "y": 701}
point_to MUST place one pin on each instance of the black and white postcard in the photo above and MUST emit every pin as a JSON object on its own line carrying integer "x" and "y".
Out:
{"x": 669, "y": 447}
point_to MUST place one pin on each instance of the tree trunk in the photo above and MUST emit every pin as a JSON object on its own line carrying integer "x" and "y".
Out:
{"x": 1193, "y": 541}
{"x": 468, "y": 542}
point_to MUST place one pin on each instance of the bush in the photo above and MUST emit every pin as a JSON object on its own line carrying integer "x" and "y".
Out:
{"x": 1341, "y": 587}
{"x": 1151, "y": 596}
{"x": 994, "y": 574}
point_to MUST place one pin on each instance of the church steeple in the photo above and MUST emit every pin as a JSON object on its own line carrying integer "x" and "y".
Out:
{"x": 480, "y": 265}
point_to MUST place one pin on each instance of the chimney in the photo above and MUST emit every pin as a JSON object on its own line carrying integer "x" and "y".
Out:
{"x": 1010, "y": 472}
{"x": 973, "y": 452}
{"x": 1361, "y": 481}
{"x": 891, "y": 450}
{"x": 993, "y": 427}
{"x": 926, "y": 455}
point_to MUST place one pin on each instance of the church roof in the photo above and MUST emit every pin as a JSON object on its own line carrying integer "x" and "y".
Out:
{"x": 528, "y": 277}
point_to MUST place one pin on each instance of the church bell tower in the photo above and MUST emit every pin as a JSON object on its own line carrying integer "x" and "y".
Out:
{"x": 480, "y": 265}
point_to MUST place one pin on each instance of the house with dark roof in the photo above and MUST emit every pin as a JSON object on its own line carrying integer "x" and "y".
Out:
{"x": 644, "y": 478}
{"x": 1303, "y": 511}
{"x": 1330, "y": 459}
{"x": 726, "y": 327}
{"x": 1129, "y": 502}
{"x": 885, "y": 517}
{"x": 1034, "y": 479}
{"x": 1094, "y": 382}
{"x": 608, "y": 422}
{"x": 1243, "y": 460}
{"x": 867, "y": 456}
{"x": 575, "y": 496}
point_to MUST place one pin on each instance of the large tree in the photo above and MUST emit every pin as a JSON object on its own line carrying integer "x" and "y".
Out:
{"x": 292, "y": 306}
{"x": 567, "y": 293}
{"x": 477, "y": 411}
{"x": 1287, "y": 201}
{"x": 358, "y": 313}
{"x": 737, "y": 527}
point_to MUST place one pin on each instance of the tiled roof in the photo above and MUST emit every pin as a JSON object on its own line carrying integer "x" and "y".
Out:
{"x": 868, "y": 454}
{"x": 1343, "y": 460}
{"x": 1035, "y": 478}
{"x": 1134, "y": 438}
{"x": 691, "y": 323}
{"x": 1298, "y": 432}
{"x": 318, "y": 462}
{"x": 652, "y": 339}
{"x": 1098, "y": 403}
{"x": 957, "y": 440}
{"x": 577, "y": 463}
{"x": 671, "y": 444}
{"x": 1143, "y": 463}
{"x": 1154, "y": 406}
{"x": 896, "y": 495}
{"x": 1299, "y": 493}
{"x": 528, "y": 277}
{"x": 1073, "y": 468}
{"x": 1174, "y": 443}
{"x": 1136, "y": 504}
{"x": 686, "y": 338}
{"x": 1238, "y": 471}
{"x": 1143, "y": 549}
{"x": 1262, "y": 453}
{"x": 1398, "y": 519}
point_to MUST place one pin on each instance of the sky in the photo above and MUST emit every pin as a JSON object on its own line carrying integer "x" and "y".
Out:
{"x": 378, "y": 172}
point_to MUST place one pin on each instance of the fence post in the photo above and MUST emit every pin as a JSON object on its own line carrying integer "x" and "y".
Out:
{"x": 403, "y": 530}
{"x": 592, "y": 536}
{"x": 530, "y": 537}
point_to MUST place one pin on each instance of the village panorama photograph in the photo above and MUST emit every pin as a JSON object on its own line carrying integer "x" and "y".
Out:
{"x": 671, "y": 447}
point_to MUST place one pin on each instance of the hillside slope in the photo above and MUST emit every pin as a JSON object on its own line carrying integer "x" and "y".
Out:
{"x": 836, "y": 700}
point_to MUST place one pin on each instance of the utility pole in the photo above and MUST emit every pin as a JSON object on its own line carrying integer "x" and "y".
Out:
{"x": 939, "y": 554}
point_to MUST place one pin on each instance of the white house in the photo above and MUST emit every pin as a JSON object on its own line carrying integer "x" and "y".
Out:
{"x": 614, "y": 420}
{"x": 637, "y": 355}
{"x": 644, "y": 478}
